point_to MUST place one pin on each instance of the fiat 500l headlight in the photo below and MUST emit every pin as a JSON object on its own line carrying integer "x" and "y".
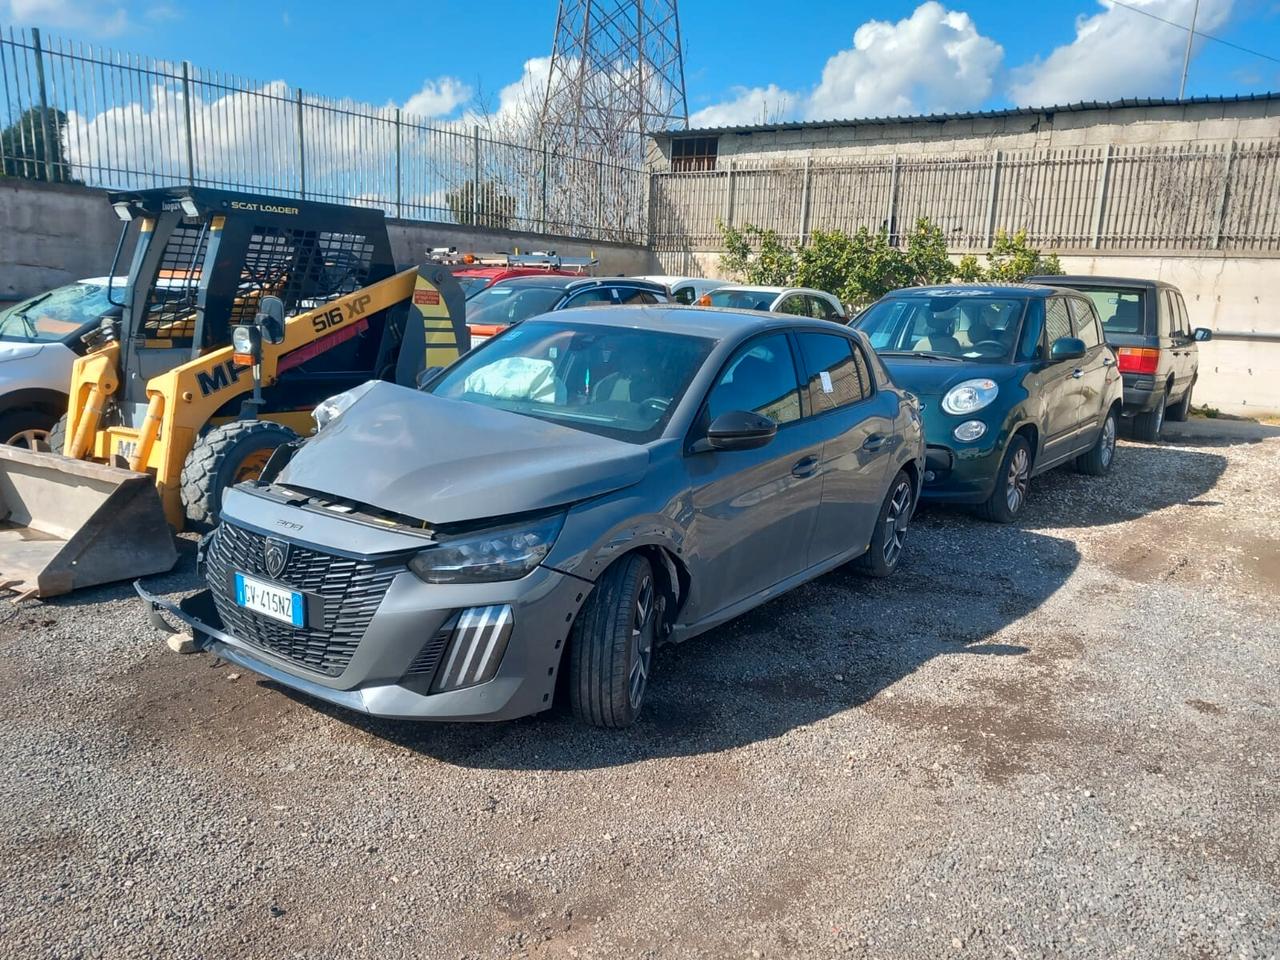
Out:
{"x": 970, "y": 396}
{"x": 506, "y": 553}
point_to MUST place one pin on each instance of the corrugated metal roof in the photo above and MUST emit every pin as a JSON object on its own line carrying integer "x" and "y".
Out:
{"x": 974, "y": 115}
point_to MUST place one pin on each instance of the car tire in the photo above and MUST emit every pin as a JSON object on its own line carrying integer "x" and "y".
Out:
{"x": 1102, "y": 455}
{"x": 1012, "y": 483}
{"x": 885, "y": 550}
{"x": 224, "y": 456}
{"x": 611, "y": 645}
{"x": 28, "y": 429}
{"x": 1182, "y": 409}
{"x": 58, "y": 435}
{"x": 1147, "y": 426}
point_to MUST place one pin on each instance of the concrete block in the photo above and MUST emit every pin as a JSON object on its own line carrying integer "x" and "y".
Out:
{"x": 181, "y": 643}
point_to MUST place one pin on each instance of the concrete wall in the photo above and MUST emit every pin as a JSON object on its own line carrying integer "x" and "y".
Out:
{"x": 1233, "y": 294}
{"x": 51, "y": 234}
{"x": 1182, "y": 123}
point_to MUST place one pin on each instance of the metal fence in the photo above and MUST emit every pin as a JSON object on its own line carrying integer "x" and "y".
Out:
{"x": 1185, "y": 197}
{"x": 74, "y": 112}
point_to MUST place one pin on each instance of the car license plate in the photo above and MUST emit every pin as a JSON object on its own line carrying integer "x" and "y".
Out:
{"x": 272, "y": 601}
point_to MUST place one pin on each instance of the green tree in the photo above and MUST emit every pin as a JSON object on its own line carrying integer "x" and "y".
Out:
{"x": 757, "y": 257}
{"x": 486, "y": 206}
{"x": 32, "y": 146}
{"x": 1011, "y": 260}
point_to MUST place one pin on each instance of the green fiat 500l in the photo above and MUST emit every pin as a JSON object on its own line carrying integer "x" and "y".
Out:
{"x": 1012, "y": 381}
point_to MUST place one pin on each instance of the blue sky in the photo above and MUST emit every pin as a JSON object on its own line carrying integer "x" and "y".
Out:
{"x": 744, "y": 61}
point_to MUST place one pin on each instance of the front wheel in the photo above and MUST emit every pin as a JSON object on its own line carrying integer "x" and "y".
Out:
{"x": 28, "y": 429}
{"x": 885, "y": 550}
{"x": 1014, "y": 477}
{"x": 1102, "y": 454}
{"x": 224, "y": 456}
{"x": 611, "y": 645}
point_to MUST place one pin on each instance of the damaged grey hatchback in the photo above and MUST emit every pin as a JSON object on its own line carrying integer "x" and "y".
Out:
{"x": 552, "y": 507}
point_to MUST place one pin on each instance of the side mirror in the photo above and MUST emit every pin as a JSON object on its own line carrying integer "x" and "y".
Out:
{"x": 740, "y": 430}
{"x": 271, "y": 319}
{"x": 1201, "y": 334}
{"x": 426, "y": 376}
{"x": 1066, "y": 348}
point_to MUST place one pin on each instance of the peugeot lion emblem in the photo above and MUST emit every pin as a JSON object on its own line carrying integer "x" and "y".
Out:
{"x": 275, "y": 554}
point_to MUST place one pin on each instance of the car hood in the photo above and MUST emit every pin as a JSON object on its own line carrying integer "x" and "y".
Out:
{"x": 449, "y": 461}
{"x": 933, "y": 378}
{"x": 17, "y": 350}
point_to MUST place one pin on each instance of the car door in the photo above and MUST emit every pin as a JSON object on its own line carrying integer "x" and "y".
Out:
{"x": 1058, "y": 385}
{"x": 858, "y": 441}
{"x": 1093, "y": 369}
{"x": 752, "y": 512}
{"x": 1185, "y": 352}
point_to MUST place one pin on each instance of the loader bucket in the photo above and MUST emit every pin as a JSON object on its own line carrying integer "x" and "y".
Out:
{"x": 67, "y": 524}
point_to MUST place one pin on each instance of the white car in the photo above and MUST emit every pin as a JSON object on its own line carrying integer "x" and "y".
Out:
{"x": 800, "y": 301}
{"x": 686, "y": 289}
{"x": 39, "y": 341}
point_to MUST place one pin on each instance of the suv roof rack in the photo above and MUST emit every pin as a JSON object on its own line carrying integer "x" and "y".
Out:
{"x": 547, "y": 259}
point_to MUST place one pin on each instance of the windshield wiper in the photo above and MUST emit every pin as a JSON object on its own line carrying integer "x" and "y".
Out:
{"x": 923, "y": 354}
{"x": 22, "y": 314}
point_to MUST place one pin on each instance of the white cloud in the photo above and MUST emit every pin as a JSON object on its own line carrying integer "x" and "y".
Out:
{"x": 100, "y": 16}
{"x": 934, "y": 60}
{"x": 1116, "y": 53}
{"x": 438, "y": 98}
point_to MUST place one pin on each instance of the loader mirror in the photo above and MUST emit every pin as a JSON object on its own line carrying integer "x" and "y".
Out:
{"x": 271, "y": 319}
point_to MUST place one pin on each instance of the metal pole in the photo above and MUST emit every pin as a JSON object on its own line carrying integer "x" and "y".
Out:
{"x": 399, "y": 194}
{"x": 186, "y": 110}
{"x": 728, "y": 198}
{"x": 1225, "y": 195}
{"x": 475, "y": 177}
{"x": 804, "y": 202}
{"x": 1100, "y": 205}
{"x": 302, "y": 152}
{"x": 893, "y": 202}
{"x": 1186, "y": 57}
{"x": 544, "y": 185}
{"x": 993, "y": 194}
{"x": 46, "y": 136}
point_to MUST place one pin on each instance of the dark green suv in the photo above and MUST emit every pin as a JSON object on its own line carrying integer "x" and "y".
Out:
{"x": 1012, "y": 381}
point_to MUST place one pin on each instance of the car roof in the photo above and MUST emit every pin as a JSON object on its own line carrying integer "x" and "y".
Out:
{"x": 717, "y": 323}
{"x": 977, "y": 290}
{"x": 778, "y": 291}
{"x": 1086, "y": 280}
{"x": 554, "y": 281}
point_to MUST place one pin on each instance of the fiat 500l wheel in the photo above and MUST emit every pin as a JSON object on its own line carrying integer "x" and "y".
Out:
{"x": 1102, "y": 455}
{"x": 1012, "y": 481}
{"x": 882, "y": 556}
{"x": 611, "y": 645}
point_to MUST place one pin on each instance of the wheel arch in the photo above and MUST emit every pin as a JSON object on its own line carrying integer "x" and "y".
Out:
{"x": 52, "y": 402}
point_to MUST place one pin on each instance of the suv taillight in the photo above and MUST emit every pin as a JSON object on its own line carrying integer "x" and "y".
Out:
{"x": 1138, "y": 359}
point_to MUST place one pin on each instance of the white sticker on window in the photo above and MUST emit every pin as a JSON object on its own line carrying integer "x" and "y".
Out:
{"x": 553, "y": 352}
{"x": 826, "y": 382}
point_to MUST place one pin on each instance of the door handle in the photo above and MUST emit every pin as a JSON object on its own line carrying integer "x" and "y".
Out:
{"x": 805, "y": 467}
{"x": 873, "y": 443}
{"x": 1108, "y": 362}
{"x": 1077, "y": 373}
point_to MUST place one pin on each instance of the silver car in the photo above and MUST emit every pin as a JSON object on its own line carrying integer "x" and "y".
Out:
{"x": 582, "y": 488}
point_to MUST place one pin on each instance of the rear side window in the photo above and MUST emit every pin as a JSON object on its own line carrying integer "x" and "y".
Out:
{"x": 1056, "y": 318}
{"x": 761, "y": 377}
{"x": 637, "y": 296}
{"x": 595, "y": 296}
{"x": 1177, "y": 317}
{"x": 795, "y": 305}
{"x": 833, "y": 377}
{"x": 1086, "y": 323}
{"x": 1119, "y": 310}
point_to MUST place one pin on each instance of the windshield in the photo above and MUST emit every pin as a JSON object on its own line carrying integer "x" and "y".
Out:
{"x": 473, "y": 285}
{"x": 503, "y": 305}
{"x": 1119, "y": 310}
{"x": 742, "y": 299}
{"x": 964, "y": 327}
{"x": 56, "y": 316}
{"x": 614, "y": 381}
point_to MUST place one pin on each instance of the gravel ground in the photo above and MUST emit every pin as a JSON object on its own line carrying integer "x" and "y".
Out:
{"x": 1059, "y": 738}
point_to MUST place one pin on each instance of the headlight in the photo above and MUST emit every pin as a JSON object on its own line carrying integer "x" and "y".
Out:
{"x": 242, "y": 339}
{"x": 969, "y": 396}
{"x": 332, "y": 408}
{"x": 969, "y": 430}
{"x": 506, "y": 553}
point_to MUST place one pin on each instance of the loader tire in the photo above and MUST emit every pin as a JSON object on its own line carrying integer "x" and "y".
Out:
{"x": 58, "y": 436}
{"x": 224, "y": 456}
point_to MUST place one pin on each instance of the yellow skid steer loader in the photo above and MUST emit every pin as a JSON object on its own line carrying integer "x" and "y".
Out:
{"x": 240, "y": 314}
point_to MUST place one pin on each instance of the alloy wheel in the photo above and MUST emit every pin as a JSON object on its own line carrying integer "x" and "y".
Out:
{"x": 895, "y": 522}
{"x": 1108, "y": 441}
{"x": 30, "y": 439}
{"x": 642, "y": 621}
{"x": 1017, "y": 480}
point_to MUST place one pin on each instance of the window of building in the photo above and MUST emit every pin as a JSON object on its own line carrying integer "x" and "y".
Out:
{"x": 694, "y": 153}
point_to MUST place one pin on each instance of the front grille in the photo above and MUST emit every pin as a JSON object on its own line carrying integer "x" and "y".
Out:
{"x": 350, "y": 591}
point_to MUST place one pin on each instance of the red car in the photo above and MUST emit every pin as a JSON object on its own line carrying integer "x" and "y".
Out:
{"x": 474, "y": 273}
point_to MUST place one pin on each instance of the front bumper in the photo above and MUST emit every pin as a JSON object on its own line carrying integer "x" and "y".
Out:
{"x": 380, "y": 678}
{"x": 962, "y": 472}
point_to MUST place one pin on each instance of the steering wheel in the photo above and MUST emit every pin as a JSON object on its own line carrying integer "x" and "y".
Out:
{"x": 658, "y": 403}
{"x": 982, "y": 346}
